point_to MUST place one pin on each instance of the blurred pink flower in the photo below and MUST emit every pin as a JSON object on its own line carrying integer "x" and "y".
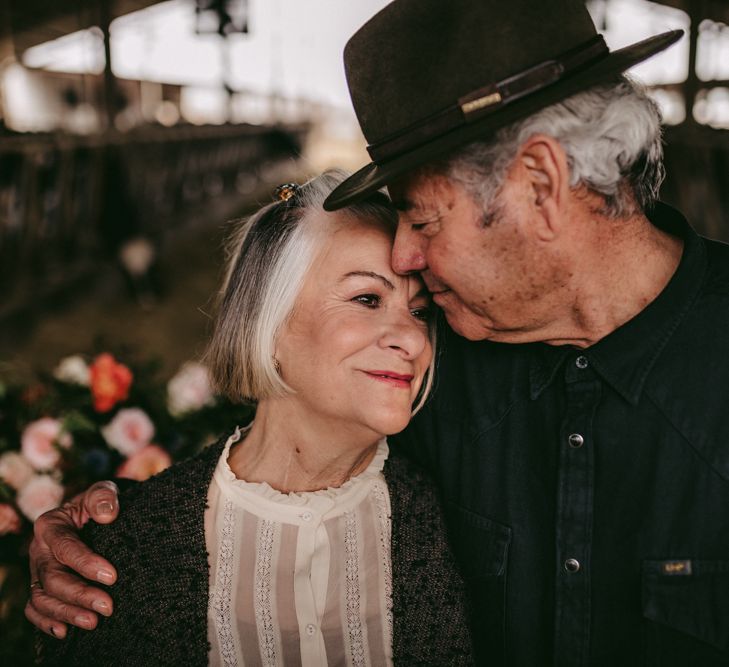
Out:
{"x": 38, "y": 442}
{"x": 189, "y": 389}
{"x": 129, "y": 431}
{"x": 40, "y": 494}
{"x": 146, "y": 462}
{"x": 15, "y": 469}
{"x": 9, "y": 520}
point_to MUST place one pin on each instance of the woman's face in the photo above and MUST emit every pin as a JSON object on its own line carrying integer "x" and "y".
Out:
{"x": 356, "y": 347}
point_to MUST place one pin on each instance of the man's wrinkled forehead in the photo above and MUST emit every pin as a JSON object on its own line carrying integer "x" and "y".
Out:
{"x": 422, "y": 194}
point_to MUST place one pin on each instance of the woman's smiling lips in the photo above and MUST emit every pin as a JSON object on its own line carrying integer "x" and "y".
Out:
{"x": 392, "y": 378}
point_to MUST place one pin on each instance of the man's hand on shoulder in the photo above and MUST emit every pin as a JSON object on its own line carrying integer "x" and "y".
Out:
{"x": 58, "y": 596}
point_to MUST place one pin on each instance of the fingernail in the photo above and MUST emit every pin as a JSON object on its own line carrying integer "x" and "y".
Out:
{"x": 53, "y": 631}
{"x": 104, "y": 507}
{"x": 101, "y": 607}
{"x": 83, "y": 621}
{"x": 105, "y": 577}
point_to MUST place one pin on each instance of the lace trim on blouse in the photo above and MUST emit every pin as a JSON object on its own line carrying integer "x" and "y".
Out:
{"x": 221, "y": 599}
{"x": 264, "y": 615}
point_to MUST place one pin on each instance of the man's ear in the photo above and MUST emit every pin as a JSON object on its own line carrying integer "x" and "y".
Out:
{"x": 545, "y": 176}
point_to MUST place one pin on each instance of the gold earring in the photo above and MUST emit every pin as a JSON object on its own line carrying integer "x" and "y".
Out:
{"x": 277, "y": 365}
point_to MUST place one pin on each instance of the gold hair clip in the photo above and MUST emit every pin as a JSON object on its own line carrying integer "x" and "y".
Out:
{"x": 286, "y": 191}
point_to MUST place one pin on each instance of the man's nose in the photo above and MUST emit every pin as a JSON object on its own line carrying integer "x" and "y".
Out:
{"x": 406, "y": 335}
{"x": 408, "y": 251}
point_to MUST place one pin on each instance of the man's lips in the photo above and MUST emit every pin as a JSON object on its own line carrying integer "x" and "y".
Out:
{"x": 390, "y": 377}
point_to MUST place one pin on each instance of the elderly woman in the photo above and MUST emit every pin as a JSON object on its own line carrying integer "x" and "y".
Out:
{"x": 297, "y": 539}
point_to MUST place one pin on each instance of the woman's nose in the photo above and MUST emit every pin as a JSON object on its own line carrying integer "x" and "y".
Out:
{"x": 408, "y": 251}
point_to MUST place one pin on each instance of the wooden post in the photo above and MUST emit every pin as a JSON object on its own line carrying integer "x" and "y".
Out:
{"x": 109, "y": 95}
{"x": 697, "y": 13}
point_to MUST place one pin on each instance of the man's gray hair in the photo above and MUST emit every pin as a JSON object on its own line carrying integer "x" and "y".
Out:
{"x": 611, "y": 134}
{"x": 269, "y": 256}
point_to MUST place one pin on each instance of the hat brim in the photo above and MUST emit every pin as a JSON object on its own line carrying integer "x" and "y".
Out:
{"x": 375, "y": 175}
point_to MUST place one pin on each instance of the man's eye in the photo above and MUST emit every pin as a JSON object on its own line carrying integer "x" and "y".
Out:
{"x": 419, "y": 227}
{"x": 369, "y": 300}
{"x": 422, "y": 313}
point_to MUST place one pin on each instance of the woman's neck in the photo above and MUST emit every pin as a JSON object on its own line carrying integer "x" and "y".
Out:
{"x": 293, "y": 452}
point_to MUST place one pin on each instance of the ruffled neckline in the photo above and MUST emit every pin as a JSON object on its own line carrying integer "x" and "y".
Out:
{"x": 264, "y": 490}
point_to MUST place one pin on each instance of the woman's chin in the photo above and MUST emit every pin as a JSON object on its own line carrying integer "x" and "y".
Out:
{"x": 393, "y": 423}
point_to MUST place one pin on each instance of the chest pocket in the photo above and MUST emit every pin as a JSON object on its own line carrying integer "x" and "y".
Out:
{"x": 481, "y": 546}
{"x": 686, "y": 604}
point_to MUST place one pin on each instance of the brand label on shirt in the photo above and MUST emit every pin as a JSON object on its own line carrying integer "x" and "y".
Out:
{"x": 676, "y": 567}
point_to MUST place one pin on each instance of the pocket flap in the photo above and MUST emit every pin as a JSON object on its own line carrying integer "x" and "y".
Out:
{"x": 484, "y": 543}
{"x": 691, "y": 596}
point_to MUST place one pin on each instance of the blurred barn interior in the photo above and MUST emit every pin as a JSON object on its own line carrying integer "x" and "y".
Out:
{"x": 117, "y": 173}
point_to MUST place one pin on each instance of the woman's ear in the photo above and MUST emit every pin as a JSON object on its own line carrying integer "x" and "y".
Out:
{"x": 545, "y": 176}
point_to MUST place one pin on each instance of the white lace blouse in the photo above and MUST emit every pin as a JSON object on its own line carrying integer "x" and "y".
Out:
{"x": 299, "y": 578}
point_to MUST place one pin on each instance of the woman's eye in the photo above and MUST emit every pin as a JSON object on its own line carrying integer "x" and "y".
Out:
{"x": 422, "y": 313}
{"x": 369, "y": 300}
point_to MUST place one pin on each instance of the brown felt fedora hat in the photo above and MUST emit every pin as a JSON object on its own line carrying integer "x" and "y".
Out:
{"x": 427, "y": 76}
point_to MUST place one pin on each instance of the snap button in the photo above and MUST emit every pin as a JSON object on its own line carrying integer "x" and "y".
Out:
{"x": 307, "y": 516}
{"x": 572, "y": 565}
{"x": 310, "y": 629}
{"x": 576, "y": 441}
{"x": 581, "y": 362}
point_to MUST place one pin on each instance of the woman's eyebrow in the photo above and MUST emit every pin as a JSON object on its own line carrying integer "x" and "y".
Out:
{"x": 368, "y": 274}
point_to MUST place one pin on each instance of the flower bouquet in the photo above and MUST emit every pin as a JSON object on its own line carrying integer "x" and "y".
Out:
{"x": 91, "y": 419}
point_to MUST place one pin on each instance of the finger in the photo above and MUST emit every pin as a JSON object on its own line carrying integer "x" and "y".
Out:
{"x": 69, "y": 550}
{"x": 69, "y": 589}
{"x": 101, "y": 502}
{"x": 50, "y": 608}
{"x": 48, "y": 625}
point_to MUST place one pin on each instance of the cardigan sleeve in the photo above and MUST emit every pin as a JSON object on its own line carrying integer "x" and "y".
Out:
{"x": 160, "y": 598}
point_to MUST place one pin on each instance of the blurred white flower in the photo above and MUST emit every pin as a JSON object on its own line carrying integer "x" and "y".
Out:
{"x": 190, "y": 389}
{"x": 129, "y": 431}
{"x": 73, "y": 370}
{"x": 15, "y": 469}
{"x": 137, "y": 255}
{"x": 38, "y": 442}
{"x": 40, "y": 494}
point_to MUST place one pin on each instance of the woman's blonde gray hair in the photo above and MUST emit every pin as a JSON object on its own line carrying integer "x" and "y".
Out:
{"x": 268, "y": 258}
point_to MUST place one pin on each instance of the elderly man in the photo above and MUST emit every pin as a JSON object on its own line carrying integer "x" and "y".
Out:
{"x": 578, "y": 429}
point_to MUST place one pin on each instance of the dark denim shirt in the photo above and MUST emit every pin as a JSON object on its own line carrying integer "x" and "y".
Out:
{"x": 587, "y": 491}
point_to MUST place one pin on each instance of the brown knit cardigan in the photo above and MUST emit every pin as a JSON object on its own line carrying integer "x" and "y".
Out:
{"x": 161, "y": 597}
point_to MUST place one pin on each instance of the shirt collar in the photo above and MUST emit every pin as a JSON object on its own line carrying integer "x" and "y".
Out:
{"x": 626, "y": 356}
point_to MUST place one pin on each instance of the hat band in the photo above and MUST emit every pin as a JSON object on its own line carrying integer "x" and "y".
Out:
{"x": 487, "y": 100}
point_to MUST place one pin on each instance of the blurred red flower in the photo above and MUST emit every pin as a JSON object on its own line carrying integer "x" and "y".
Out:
{"x": 34, "y": 393}
{"x": 110, "y": 382}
